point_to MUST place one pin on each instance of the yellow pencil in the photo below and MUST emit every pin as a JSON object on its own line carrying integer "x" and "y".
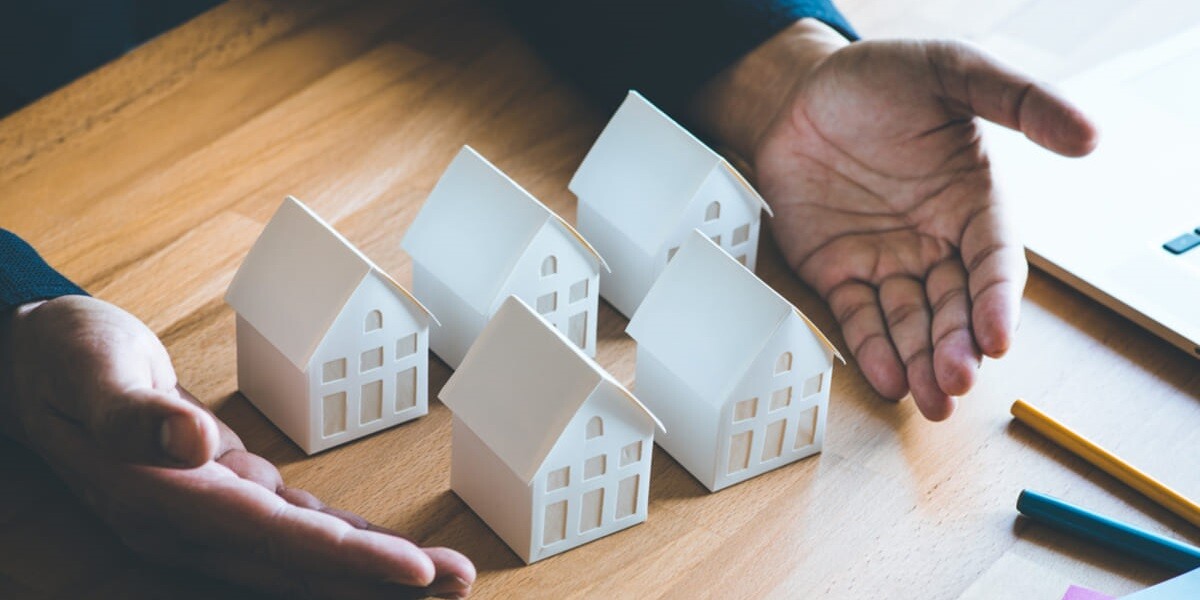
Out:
{"x": 1107, "y": 461}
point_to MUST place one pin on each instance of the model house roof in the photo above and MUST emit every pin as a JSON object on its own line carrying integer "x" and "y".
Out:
{"x": 474, "y": 227}
{"x": 521, "y": 383}
{"x": 644, "y": 170}
{"x": 708, "y": 317}
{"x": 297, "y": 278}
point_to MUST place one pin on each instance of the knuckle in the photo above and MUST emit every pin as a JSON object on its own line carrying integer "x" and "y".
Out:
{"x": 901, "y": 314}
{"x": 952, "y": 295}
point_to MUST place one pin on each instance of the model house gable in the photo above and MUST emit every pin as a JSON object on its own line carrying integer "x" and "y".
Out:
{"x": 560, "y": 280}
{"x": 595, "y": 479}
{"x": 476, "y": 225}
{"x": 296, "y": 279}
{"x": 480, "y": 238}
{"x": 726, "y": 211}
{"x": 329, "y": 347}
{"x": 549, "y": 449}
{"x": 371, "y": 366}
{"x": 645, "y": 172}
{"x": 520, "y": 384}
{"x": 707, "y": 318}
{"x": 604, "y": 424}
{"x": 777, "y": 413}
{"x": 716, "y": 343}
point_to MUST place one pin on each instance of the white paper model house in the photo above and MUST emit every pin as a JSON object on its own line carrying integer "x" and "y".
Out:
{"x": 548, "y": 449}
{"x": 644, "y": 186}
{"x": 739, "y": 376}
{"x": 328, "y": 346}
{"x": 479, "y": 238}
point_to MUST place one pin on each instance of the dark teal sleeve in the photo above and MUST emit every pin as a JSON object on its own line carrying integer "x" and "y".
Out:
{"x": 665, "y": 49}
{"x": 25, "y": 277}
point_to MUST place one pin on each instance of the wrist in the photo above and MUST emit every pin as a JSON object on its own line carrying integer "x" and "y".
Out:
{"x": 9, "y": 319}
{"x": 738, "y": 104}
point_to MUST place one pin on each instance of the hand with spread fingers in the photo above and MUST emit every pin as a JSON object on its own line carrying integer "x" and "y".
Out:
{"x": 92, "y": 390}
{"x": 872, "y": 159}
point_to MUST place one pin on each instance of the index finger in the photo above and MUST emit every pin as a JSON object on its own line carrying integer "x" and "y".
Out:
{"x": 244, "y": 521}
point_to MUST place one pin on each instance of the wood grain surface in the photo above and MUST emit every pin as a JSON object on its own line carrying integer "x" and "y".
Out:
{"x": 147, "y": 181}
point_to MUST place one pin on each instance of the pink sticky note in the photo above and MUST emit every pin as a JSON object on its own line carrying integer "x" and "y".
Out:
{"x": 1081, "y": 593}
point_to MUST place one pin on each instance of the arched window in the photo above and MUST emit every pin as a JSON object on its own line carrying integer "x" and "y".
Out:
{"x": 549, "y": 266}
{"x": 713, "y": 212}
{"x": 374, "y": 321}
{"x": 784, "y": 364}
{"x": 595, "y": 428}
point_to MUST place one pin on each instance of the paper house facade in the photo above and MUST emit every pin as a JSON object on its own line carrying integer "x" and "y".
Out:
{"x": 548, "y": 449}
{"x": 480, "y": 238}
{"x": 328, "y": 346}
{"x": 739, "y": 376}
{"x": 644, "y": 186}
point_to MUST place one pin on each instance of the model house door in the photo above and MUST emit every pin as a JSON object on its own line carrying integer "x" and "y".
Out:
{"x": 577, "y": 327}
{"x": 739, "y": 451}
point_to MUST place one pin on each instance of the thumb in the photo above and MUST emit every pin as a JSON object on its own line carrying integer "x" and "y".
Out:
{"x": 988, "y": 88}
{"x": 154, "y": 427}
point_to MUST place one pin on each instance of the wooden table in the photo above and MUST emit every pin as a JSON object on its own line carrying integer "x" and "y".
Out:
{"x": 148, "y": 180}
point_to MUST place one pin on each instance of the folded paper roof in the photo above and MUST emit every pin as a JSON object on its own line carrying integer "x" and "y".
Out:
{"x": 521, "y": 383}
{"x": 474, "y": 227}
{"x": 644, "y": 170}
{"x": 297, "y": 278}
{"x": 708, "y": 317}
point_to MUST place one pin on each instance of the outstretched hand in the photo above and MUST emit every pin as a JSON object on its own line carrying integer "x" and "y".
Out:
{"x": 92, "y": 390}
{"x": 884, "y": 203}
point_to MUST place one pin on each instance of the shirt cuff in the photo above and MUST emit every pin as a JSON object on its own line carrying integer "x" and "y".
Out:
{"x": 25, "y": 277}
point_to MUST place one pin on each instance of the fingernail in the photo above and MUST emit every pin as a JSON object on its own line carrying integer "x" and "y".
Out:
{"x": 173, "y": 437}
{"x": 450, "y": 587}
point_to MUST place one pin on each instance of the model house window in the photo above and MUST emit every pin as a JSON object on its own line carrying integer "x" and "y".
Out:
{"x": 713, "y": 212}
{"x": 671, "y": 253}
{"x": 547, "y": 303}
{"x": 781, "y": 398}
{"x": 773, "y": 442}
{"x": 739, "y": 451}
{"x": 784, "y": 363}
{"x": 371, "y": 402}
{"x": 595, "y": 428}
{"x": 374, "y": 321}
{"x": 627, "y": 495}
{"x": 333, "y": 414}
{"x": 746, "y": 409}
{"x": 592, "y": 510}
{"x": 813, "y": 384}
{"x": 742, "y": 259}
{"x": 371, "y": 359}
{"x": 549, "y": 266}
{"x": 631, "y": 454}
{"x": 333, "y": 370}
{"x": 579, "y": 290}
{"x": 554, "y": 526}
{"x": 558, "y": 479}
{"x": 406, "y": 389}
{"x": 740, "y": 235}
{"x": 595, "y": 467}
{"x": 716, "y": 239}
{"x": 406, "y": 346}
{"x": 806, "y": 431}
{"x": 577, "y": 329}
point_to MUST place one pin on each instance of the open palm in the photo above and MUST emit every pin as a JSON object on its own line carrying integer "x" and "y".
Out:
{"x": 884, "y": 203}
{"x": 92, "y": 390}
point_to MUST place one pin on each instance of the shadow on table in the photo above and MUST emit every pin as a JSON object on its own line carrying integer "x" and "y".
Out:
{"x": 1097, "y": 556}
{"x": 1140, "y": 347}
{"x": 1109, "y": 560}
